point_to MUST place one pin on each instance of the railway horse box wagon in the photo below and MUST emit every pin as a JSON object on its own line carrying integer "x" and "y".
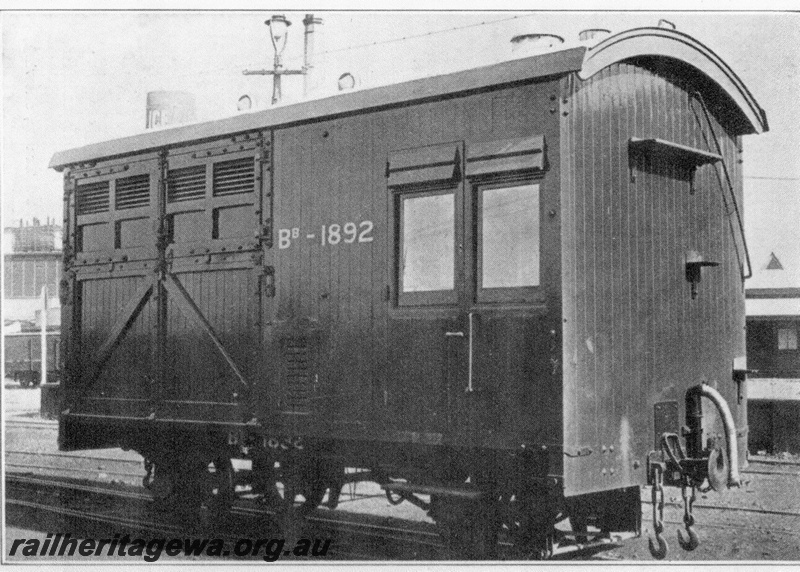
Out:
{"x": 510, "y": 295}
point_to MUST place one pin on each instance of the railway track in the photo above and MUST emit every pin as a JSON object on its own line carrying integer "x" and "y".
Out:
{"x": 723, "y": 508}
{"x": 346, "y": 497}
{"x": 359, "y": 537}
{"x": 394, "y": 541}
{"x": 33, "y": 424}
{"x": 350, "y": 533}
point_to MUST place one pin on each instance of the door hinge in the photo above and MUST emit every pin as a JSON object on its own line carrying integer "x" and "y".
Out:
{"x": 268, "y": 281}
{"x": 264, "y": 234}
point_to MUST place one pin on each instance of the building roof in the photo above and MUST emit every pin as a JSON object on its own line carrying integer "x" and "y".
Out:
{"x": 650, "y": 42}
{"x": 772, "y": 307}
{"x": 773, "y": 388}
{"x": 35, "y": 237}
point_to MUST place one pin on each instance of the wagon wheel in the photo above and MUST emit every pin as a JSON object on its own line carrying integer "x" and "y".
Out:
{"x": 294, "y": 492}
{"x": 190, "y": 485}
{"x": 295, "y": 489}
{"x": 528, "y": 525}
{"x": 469, "y": 528}
{"x": 215, "y": 489}
{"x": 168, "y": 486}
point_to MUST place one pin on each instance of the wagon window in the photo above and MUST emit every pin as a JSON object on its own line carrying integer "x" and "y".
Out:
{"x": 787, "y": 339}
{"x": 426, "y": 246}
{"x": 508, "y": 237}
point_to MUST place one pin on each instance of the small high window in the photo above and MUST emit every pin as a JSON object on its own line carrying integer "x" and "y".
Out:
{"x": 787, "y": 338}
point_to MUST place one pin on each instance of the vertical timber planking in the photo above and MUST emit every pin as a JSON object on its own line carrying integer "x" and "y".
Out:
{"x": 634, "y": 334}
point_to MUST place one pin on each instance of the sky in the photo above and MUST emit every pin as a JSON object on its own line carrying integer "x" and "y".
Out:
{"x": 73, "y": 78}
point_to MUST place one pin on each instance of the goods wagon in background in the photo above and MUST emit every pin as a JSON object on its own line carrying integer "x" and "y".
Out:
{"x": 23, "y": 357}
{"x": 511, "y": 295}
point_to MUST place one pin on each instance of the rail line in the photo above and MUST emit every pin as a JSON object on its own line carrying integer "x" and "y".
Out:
{"x": 34, "y": 424}
{"x": 420, "y": 540}
{"x": 401, "y": 538}
{"x": 731, "y": 508}
{"x": 352, "y": 495}
{"x": 370, "y": 534}
{"x": 346, "y": 496}
{"x": 59, "y": 455}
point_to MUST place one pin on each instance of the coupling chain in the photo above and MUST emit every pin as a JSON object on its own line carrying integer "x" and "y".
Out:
{"x": 148, "y": 473}
{"x": 688, "y": 502}
{"x": 658, "y": 500}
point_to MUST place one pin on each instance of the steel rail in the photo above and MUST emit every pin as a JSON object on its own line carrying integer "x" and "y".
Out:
{"x": 374, "y": 531}
{"x": 405, "y": 537}
{"x": 732, "y": 508}
{"x": 57, "y": 454}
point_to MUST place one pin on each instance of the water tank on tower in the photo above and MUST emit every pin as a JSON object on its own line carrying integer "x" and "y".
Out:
{"x": 169, "y": 108}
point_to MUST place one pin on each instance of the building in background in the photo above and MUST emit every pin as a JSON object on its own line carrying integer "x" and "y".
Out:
{"x": 32, "y": 260}
{"x": 772, "y": 300}
{"x": 32, "y": 256}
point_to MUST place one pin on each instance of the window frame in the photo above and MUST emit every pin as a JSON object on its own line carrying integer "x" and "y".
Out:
{"x": 787, "y": 329}
{"x": 512, "y": 294}
{"x": 430, "y": 297}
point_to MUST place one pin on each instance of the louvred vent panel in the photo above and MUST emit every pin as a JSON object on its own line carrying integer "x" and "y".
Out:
{"x": 296, "y": 375}
{"x": 132, "y": 192}
{"x": 186, "y": 184}
{"x": 236, "y": 176}
{"x": 93, "y": 198}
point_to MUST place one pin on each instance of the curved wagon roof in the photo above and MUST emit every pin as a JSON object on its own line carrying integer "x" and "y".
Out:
{"x": 665, "y": 43}
{"x": 625, "y": 46}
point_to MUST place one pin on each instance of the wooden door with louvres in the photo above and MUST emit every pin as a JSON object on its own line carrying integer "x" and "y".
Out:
{"x": 166, "y": 279}
{"x": 108, "y": 311}
{"x": 215, "y": 242}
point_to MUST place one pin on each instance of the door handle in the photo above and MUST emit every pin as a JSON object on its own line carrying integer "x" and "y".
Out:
{"x": 454, "y": 334}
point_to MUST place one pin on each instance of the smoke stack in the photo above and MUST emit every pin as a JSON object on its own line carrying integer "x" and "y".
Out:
{"x": 535, "y": 43}
{"x": 169, "y": 108}
{"x": 308, "y": 48}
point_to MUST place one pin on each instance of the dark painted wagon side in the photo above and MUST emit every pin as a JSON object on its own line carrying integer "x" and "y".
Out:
{"x": 503, "y": 289}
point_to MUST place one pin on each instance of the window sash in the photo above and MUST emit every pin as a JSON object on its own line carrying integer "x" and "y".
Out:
{"x": 491, "y": 290}
{"x": 444, "y": 290}
{"x": 787, "y": 338}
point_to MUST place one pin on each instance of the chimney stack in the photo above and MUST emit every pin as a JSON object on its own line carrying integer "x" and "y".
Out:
{"x": 169, "y": 108}
{"x": 308, "y": 48}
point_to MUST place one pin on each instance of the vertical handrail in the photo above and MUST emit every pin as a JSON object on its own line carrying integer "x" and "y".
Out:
{"x": 470, "y": 351}
{"x": 727, "y": 179}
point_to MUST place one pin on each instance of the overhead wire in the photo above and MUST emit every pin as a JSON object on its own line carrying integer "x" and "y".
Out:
{"x": 372, "y": 44}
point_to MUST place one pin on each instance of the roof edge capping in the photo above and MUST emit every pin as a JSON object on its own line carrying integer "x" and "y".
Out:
{"x": 496, "y": 75}
{"x": 668, "y": 43}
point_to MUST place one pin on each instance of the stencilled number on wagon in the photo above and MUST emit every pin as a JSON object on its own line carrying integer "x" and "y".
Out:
{"x": 285, "y": 236}
{"x": 330, "y": 234}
